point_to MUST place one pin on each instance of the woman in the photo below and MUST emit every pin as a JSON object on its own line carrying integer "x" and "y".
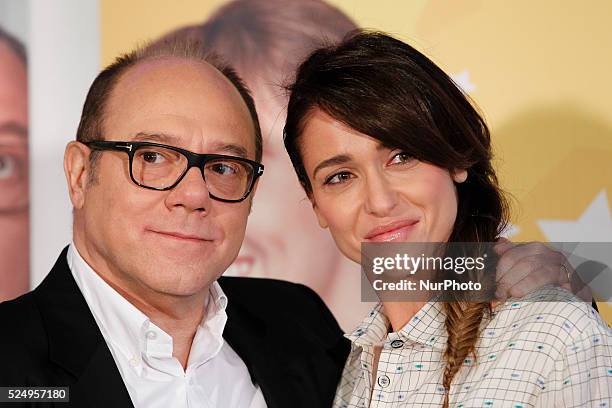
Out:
{"x": 388, "y": 149}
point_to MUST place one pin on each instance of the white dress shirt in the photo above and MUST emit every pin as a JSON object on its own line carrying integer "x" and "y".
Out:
{"x": 546, "y": 350}
{"x": 215, "y": 376}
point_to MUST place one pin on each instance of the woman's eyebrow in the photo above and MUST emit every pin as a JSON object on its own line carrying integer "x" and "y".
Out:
{"x": 332, "y": 161}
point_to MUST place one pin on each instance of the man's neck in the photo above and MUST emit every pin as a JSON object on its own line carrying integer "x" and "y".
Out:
{"x": 179, "y": 316}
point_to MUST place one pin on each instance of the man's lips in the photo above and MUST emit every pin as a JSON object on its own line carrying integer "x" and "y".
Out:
{"x": 181, "y": 236}
{"x": 393, "y": 231}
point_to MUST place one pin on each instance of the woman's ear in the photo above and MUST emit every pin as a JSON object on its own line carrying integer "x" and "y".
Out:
{"x": 459, "y": 175}
{"x": 320, "y": 217}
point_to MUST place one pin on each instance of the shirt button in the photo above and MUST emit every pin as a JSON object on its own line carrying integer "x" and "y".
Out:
{"x": 397, "y": 344}
{"x": 151, "y": 335}
{"x": 384, "y": 381}
{"x": 134, "y": 362}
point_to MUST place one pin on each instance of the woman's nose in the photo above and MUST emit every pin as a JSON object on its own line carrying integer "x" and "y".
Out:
{"x": 381, "y": 196}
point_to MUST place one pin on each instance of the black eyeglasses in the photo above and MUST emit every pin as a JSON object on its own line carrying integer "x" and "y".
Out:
{"x": 161, "y": 167}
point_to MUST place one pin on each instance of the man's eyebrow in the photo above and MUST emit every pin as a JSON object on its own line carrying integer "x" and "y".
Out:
{"x": 13, "y": 128}
{"x": 333, "y": 161}
{"x": 172, "y": 140}
{"x": 233, "y": 149}
{"x": 156, "y": 137}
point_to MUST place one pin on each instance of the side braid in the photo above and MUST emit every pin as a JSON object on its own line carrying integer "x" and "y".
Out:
{"x": 463, "y": 326}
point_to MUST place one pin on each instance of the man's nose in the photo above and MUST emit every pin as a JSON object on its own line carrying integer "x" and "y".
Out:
{"x": 191, "y": 193}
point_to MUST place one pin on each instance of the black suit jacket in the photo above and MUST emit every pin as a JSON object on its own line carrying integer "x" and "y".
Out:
{"x": 288, "y": 339}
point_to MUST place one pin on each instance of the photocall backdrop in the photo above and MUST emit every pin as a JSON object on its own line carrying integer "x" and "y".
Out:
{"x": 538, "y": 70}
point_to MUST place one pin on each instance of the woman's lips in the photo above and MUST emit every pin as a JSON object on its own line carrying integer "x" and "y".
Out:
{"x": 395, "y": 231}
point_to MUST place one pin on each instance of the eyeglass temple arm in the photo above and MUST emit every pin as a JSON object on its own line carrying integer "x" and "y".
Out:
{"x": 111, "y": 145}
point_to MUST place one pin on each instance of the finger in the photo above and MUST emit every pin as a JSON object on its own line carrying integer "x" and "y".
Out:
{"x": 514, "y": 275}
{"x": 519, "y": 251}
{"x": 502, "y": 245}
{"x": 544, "y": 265}
{"x": 547, "y": 274}
{"x": 528, "y": 285}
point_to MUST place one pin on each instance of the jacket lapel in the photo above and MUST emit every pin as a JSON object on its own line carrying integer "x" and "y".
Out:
{"x": 247, "y": 335}
{"x": 76, "y": 344}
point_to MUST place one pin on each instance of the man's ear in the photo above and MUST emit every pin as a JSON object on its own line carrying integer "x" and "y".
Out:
{"x": 76, "y": 169}
{"x": 320, "y": 217}
{"x": 459, "y": 175}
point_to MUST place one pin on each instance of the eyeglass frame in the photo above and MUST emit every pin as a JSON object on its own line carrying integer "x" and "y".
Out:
{"x": 198, "y": 160}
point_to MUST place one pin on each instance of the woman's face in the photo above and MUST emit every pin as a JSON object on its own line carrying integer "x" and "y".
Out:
{"x": 364, "y": 192}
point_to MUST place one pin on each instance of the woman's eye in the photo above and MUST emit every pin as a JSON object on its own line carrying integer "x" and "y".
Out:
{"x": 338, "y": 178}
{"x": 402, "y": 158}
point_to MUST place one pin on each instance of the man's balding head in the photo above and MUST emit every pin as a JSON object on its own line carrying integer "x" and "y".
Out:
{"x": 91, "y": 126}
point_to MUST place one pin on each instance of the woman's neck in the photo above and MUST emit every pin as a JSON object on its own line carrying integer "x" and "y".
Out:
{"x": 400, "y": 313}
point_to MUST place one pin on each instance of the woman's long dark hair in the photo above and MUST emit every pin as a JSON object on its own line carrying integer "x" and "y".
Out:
{"x": 386, "y": 89}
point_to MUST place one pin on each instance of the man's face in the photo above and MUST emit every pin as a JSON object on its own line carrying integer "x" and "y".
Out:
{"x": 172, "y": 242}
{"x": 14, "y": 217}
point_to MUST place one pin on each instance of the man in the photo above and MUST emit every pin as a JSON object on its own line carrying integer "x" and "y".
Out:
{"x": 133, "y": 313}
{"x": 14, "y": 196}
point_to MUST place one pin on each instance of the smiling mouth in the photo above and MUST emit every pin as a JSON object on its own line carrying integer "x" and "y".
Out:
{"x": 398, "y": 231}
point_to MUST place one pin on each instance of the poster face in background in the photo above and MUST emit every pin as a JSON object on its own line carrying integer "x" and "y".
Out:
{"x": 14, "y": 168}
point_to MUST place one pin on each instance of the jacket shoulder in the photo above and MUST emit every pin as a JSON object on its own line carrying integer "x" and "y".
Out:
{"x": 265, "y": 290}
{"x": 284, "y": 304}
{"x": 23, "y": 340}
{"x": 272, "y": 294}
{"x": 20, "y": 317}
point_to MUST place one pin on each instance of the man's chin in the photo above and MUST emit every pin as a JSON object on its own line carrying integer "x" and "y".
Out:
{"x": 181, "y": 288}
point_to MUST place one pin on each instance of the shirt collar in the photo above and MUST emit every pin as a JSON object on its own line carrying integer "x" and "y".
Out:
{"x": 131, "y": 331}
{"x": 426, "y": 327}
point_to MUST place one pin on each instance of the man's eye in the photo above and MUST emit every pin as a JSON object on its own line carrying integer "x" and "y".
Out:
{"x": 152, "y": 157}
{"x": 224, "y": 169}
{"x": 8, "y": 167}
{"x": 338, "y": 178}
{"x": 402, "y": 158}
